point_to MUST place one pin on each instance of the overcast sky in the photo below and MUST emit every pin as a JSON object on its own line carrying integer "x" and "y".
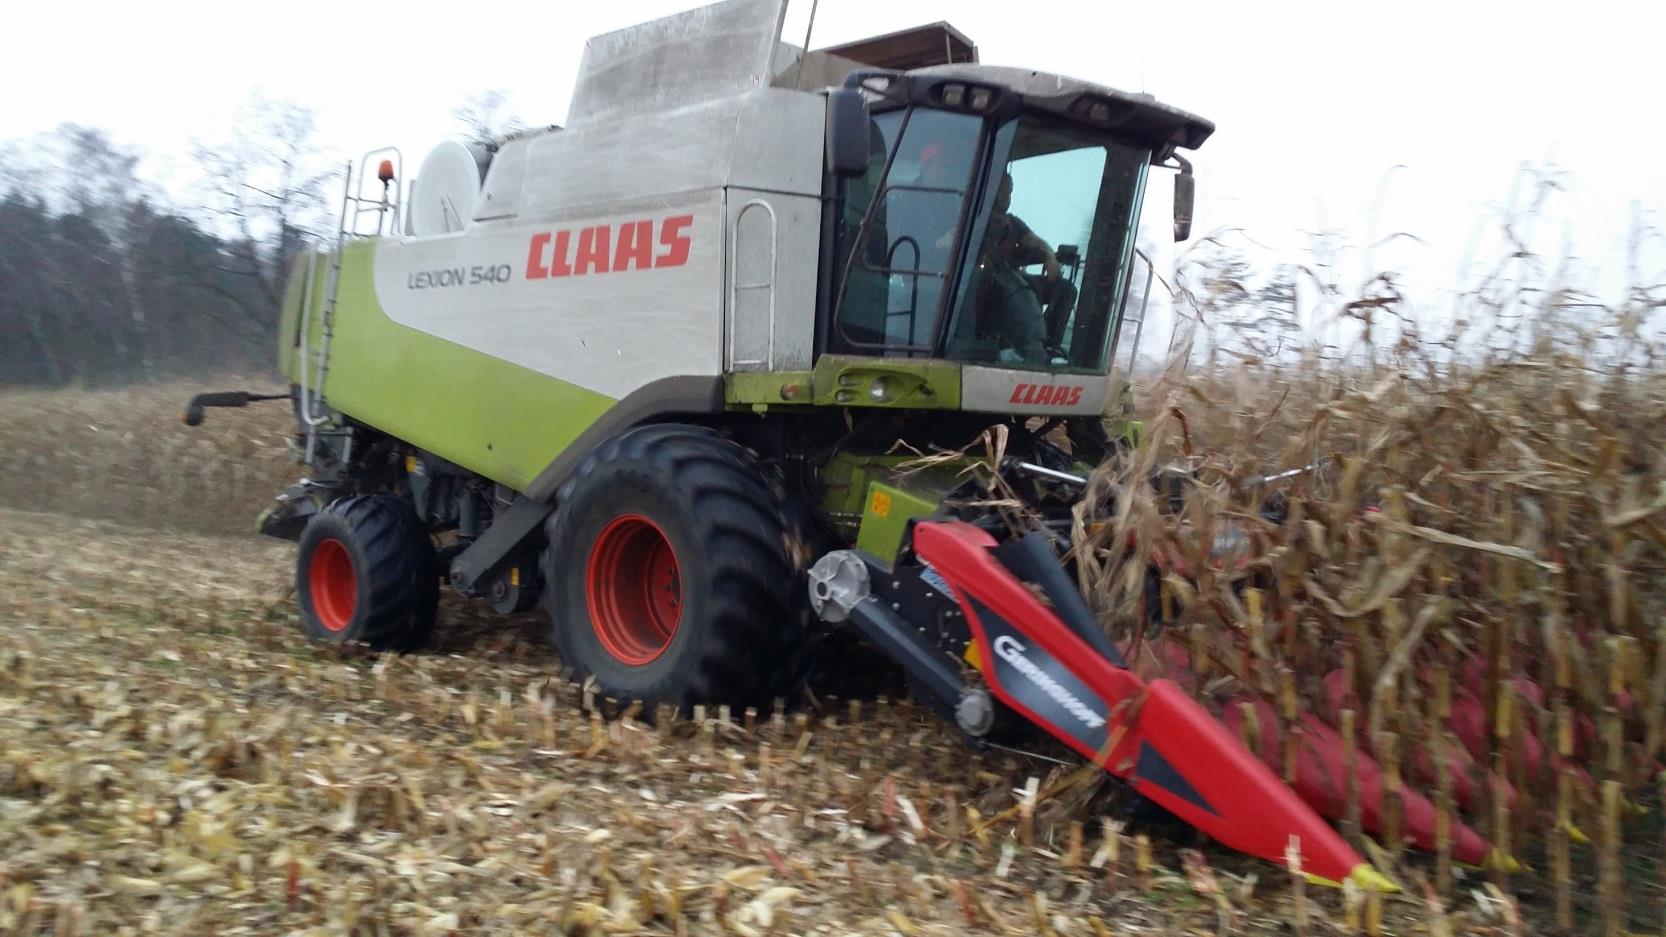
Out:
{"x": 1315, "y": 102}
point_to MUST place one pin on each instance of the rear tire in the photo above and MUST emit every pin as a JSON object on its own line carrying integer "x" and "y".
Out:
{"x": 671, "y": 575}
{"x": 366, "y": 571}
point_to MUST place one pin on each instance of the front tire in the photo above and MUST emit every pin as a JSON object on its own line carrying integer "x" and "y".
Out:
{"x": 366, "y": 572}
{"x": 670, "y": 576}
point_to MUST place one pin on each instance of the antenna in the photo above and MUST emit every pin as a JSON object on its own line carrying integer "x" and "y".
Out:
{"x": 798, "y": 85}
{"x": 1139, "y": 48}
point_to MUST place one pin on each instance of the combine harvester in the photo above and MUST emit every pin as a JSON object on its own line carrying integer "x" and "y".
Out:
{"x": 652, "y": 369}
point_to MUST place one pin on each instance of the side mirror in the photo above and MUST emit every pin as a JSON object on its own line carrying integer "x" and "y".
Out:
{"x": 1185, "y": 195}
{"x": 847, "y": 133}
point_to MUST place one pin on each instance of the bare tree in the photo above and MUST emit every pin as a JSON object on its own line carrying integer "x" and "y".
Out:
{"x": 102, "y": 181}
{"x": 92, "y": 185}
{"x": 486, "y": 117}
{"x": 268, "y": 179}
{"x": 74, "y": 168}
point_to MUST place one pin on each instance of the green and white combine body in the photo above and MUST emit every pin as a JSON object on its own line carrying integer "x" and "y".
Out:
{"x": 668, "y": 252}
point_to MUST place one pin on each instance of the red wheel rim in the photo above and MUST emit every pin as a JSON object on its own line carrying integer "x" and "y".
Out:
{"x": 333, "y": 585}
{"x": 634, "y": 590}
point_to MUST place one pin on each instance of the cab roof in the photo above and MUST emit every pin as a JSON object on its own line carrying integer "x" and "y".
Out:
{"x": 1138, "y": 115}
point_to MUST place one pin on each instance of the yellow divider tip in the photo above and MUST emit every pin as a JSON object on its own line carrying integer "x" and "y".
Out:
{"x": 1363, "y": 875}
{"x": 1369, "y": 878}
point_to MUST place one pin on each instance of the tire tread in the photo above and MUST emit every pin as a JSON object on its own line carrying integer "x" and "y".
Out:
{"x": 399, "y": 607}
{"x": 755, "y": 596}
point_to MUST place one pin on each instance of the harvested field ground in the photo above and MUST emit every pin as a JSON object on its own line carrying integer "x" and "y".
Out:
{"x": 177, "y": 759}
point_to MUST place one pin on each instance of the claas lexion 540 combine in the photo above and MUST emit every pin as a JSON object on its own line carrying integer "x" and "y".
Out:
{"x": 652, "y": 369}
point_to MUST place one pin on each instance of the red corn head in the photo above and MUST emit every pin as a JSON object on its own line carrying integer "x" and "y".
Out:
{"x": 1322, "y": 782}
{"x": 1049, "y": 663}
{"x": 1469, "y": 779}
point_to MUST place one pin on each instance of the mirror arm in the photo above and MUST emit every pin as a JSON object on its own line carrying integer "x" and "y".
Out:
{"x": 1185, "y": 195}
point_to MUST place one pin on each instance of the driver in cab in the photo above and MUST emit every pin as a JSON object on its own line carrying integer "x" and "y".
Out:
{"x": 1010, "y": 303}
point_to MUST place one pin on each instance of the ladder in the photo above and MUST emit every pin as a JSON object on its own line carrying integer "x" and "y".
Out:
{"x": 386, "y": 205}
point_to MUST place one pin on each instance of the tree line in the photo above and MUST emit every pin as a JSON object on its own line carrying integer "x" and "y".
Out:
{"x": 105, "y": 280}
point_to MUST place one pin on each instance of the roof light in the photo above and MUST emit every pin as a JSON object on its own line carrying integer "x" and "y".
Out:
{"x": 875, "y": 88}
{"x": 953, "y": 95}
{"x": 1100, "y": 111}
{"x": 981, "y": 98}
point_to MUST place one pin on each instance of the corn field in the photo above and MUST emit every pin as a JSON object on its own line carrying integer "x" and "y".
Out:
{"x": 1461, "y": 588}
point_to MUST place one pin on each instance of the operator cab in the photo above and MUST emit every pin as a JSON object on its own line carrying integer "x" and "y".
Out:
{"x": 988, "y": 215}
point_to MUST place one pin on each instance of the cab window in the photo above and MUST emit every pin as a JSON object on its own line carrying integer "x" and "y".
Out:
{"x": 1052, "y": 249}
{"x": 898, "y": 278}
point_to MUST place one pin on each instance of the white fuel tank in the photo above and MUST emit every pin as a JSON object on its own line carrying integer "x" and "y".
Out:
{"x": 447, "y": 188}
